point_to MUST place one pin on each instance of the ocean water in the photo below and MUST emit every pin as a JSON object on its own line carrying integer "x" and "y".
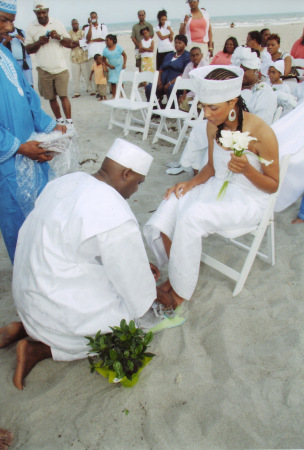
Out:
{"x": 257, "y": 21}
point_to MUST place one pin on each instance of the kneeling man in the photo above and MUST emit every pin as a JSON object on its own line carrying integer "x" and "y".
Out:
{"x": 80, "y": 263}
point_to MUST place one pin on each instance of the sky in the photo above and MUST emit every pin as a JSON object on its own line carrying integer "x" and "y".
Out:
{"x": 115, "y": 11}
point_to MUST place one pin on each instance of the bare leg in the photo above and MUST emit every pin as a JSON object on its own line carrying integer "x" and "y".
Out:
{"x": 55, "y": 108}
{"x": 166, "y": 286}
{"x": 164, "y": 298}
{"x": 6, "y": 439}
{"x": 12, "y": 332}
{"x": 66, "y": 106}
{"x": 28, "y": 353}
{"x": 113, "y": 89}
{"x": 195, "y": 172}
{"x": 297, "y": 220}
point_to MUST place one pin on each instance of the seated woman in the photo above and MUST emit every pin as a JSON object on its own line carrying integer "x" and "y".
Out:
{"x": 172, "y": 67}
{"x": 223, "y": 58}
{"x": 190, "y": 209}
{"x": 273, "y": 47}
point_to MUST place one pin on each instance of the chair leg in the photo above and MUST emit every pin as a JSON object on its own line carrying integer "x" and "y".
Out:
{"x": 147, "y": 125}
{"x": 248, "y": 264}
{"x": 111, "y": 119}
{"x": 159, "y": 130}
{"x": 180, "y": 139}
{"x": 127, "y": 123}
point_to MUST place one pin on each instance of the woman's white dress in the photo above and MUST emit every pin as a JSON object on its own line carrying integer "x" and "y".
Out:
{"x": 186, "y": 220}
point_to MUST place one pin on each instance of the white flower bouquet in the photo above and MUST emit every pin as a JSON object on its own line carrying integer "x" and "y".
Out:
{"x": 238, "y": 142}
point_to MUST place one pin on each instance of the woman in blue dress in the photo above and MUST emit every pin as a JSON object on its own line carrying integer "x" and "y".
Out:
{"x": 113, "y": 54}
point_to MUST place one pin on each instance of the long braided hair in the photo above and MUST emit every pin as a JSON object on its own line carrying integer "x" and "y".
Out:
{"x": 225, "y": 74}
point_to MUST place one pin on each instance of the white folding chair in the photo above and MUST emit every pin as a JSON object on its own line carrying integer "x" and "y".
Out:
{"x": 122, "y": 99}
{"x": 137, "y": 105}
{"x": 182, "y": 135}
{"x": 266, "y": 224}
{"x": 298, "y": 63}
{"x": 277, "y": 114}
{"x": 176, "y": 113}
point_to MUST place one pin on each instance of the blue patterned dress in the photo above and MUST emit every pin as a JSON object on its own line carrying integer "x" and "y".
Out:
{"x": 20, "y": 116}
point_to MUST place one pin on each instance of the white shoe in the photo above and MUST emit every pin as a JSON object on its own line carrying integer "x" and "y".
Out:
{"x": 173, "y": 164}
{"x": 70, "y": 125}
{"x": 60, "y": 121}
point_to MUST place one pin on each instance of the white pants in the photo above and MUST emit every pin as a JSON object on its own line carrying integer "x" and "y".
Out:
{"x": 92, "y": 85}
{"x": 77, "y": 70}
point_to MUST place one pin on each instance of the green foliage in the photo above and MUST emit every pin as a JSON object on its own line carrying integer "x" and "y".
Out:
{"x": 123, "y": 350}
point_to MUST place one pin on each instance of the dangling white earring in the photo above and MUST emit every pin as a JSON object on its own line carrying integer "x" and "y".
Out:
{"x": 232, "y": 115}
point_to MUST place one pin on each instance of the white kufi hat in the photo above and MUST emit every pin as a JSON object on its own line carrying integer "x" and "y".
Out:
{"x": 216, "y": 91}
{"x": 38, "y": 5}
{"x": 245, "y": 57}
{"x": 8, "y": 6}
{"x": 130, "y": 156}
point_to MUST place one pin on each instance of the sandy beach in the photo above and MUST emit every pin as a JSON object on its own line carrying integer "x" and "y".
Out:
{"x": 231, "y": 377}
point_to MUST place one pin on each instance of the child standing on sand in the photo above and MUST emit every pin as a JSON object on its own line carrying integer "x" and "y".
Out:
{"x": 112, "y": 58}
{"x": 99, "y": 68}
{"x": 146, "y": 47}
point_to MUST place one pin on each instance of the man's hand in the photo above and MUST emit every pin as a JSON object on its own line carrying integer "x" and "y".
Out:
{"x": 55, "y": 35}
{"x": 31, "y": 150}
{"x": 61, "y": 128}
{"x": 43, "y": 40}
{"x": 155, "y": 271}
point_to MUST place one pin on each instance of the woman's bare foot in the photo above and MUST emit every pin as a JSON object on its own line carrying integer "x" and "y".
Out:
{"x": 12, "y": 332}
{"x": 297, "y": 220}
{"x": 29, "y": 353}
{"x": 177, "y": 299}
{"x": 164, "y": 298}
{"x": 6, "y": 439}
{"x": 166, "y": 286}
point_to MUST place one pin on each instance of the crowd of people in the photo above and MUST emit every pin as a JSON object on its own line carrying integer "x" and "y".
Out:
{"x": 82, "y": 239}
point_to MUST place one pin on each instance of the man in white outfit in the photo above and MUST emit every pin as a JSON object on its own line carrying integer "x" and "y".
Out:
{"x": 95, "y": 36}
{"x": 80, "y": 264}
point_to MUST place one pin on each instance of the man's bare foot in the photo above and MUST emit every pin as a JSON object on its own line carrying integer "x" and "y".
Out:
{"x": 6, "y": 439}
{"x": 297, "y": 220}
{"x": 28, "y": 353}
{"x": 12, "y": 332}
{"x": 166, "y": 286}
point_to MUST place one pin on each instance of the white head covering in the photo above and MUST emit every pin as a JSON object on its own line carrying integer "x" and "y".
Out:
{"x": 38, "y": 5}
{"x": 130, "y": 156}
{"x": 279, "y": 65}
{"x": 216, "y": 91}
{"x": 245, "y": 57}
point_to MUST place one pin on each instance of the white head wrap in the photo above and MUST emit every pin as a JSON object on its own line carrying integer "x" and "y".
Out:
{"x": 279, "y": 65}
{"x": 245, "y": 57}
{"x": 216, "y": 91}
{"x": 38, "y": 5}
{"x": 130, "y": 156}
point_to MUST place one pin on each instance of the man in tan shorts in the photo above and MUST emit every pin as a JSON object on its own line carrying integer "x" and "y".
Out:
{"x": 46, "y": 38}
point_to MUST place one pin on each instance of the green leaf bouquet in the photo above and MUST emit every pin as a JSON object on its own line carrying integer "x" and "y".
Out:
{"x": 121, "y": 355}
